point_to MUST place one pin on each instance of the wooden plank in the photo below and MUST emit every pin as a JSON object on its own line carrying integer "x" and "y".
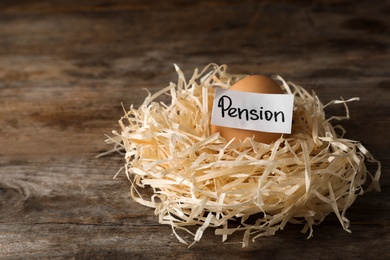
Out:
{"x": 65, "y": 69}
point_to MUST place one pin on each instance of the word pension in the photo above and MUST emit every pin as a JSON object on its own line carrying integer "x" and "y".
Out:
{"x": 253, "y": 111}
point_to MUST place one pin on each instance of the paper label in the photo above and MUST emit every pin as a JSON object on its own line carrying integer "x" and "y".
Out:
{"x": 253, "y": 111}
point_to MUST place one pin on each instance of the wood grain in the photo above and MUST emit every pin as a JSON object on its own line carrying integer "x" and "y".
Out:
{"x": 66, "y": 67}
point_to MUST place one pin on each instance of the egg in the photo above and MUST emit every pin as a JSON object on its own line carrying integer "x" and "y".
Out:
{"x": 256, "y": 84}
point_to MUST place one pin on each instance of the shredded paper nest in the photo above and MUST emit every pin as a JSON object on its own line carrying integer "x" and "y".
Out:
{"x": 199, "y": 179}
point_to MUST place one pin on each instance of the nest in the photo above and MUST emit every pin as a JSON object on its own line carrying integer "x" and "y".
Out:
{"x": 199, "y": 179}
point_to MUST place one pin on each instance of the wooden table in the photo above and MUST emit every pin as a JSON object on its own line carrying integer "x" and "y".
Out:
{"x": 66, "y": 66}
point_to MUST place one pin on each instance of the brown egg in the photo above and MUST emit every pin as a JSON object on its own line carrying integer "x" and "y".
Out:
{"x": 256, "y": 84}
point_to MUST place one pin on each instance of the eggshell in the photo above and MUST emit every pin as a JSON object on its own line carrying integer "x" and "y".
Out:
{"x": 256, "y": 84}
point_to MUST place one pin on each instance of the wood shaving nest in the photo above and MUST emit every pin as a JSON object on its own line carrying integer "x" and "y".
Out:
{"x": 199, "y": 179}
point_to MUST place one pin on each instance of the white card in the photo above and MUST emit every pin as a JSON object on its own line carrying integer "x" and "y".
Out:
{"x": 253, "y": 111}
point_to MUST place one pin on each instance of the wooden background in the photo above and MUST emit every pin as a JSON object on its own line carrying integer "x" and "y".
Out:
{"x": 66, "y": 66}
